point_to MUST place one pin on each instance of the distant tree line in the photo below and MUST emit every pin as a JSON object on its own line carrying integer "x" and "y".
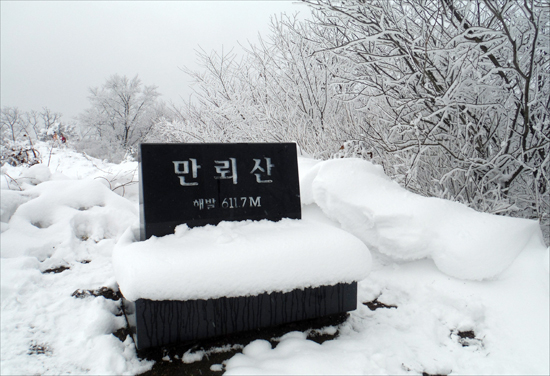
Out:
{"x": 122, "y": 113}
{"x": 19, "y": 129}
{"x": 39, "y": 125}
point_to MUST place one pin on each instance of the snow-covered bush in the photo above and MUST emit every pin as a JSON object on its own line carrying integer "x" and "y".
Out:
{"x": 19, "y": 153}
{"x": 21, "y": 131}
{"x": 457, "y": 90}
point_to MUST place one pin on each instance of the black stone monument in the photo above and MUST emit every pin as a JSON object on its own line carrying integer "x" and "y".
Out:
{"x": 200, "y": 184}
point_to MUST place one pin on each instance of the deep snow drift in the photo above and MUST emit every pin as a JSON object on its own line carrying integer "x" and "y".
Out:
{"x": 462, "y": 242}
{"x": 447, "y": 269}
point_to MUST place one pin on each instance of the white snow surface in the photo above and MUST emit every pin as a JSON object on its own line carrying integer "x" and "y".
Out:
{"x": 446, "y": 268}
{"x": 238, "y": 259}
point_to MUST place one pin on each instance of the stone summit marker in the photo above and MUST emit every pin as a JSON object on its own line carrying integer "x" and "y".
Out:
{"x": 200, "y": 184}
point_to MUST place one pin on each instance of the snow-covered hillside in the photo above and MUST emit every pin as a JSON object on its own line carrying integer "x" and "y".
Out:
{"x": 470, "y": 291}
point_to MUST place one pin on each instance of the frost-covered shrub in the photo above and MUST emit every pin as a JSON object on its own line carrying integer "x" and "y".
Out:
{"x": 19, "y": 153}
{"x": 103, "y": 150}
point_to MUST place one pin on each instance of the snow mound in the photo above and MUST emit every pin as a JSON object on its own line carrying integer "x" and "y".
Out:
{"x": 238, "y": 259}
{"x": 37, "y": 174}
{"x": 462, "y": 242}
{"x": 47, "y": 221}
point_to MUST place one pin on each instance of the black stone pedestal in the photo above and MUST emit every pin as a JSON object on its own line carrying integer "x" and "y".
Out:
{"x": 158, "y": 323}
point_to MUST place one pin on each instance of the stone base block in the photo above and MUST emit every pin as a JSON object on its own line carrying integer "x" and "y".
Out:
{"x": 158, "y": 323}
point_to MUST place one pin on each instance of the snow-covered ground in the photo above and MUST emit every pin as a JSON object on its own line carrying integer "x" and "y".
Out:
{"x": 470, "y": 290}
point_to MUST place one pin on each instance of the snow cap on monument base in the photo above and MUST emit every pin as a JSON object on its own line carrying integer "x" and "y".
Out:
{"x": 238, "y": 259}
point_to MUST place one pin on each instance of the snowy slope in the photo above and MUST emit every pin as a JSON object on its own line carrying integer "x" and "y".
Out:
{"x": 447, "y": 269}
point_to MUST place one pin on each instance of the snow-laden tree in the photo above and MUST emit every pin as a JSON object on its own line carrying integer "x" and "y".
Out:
{"x": 122, "y": 113}
{"x": 278, "y": 90}
{"x": 11, "y": 124}
{"x": 457, "y": 92}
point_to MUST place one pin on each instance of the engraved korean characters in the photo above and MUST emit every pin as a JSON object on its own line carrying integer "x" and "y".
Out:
{"x": 181, "y": 168}
{"x": 187, "y": 171}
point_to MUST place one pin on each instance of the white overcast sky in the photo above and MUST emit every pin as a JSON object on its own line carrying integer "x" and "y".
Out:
{"x": 53, "y": 51}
